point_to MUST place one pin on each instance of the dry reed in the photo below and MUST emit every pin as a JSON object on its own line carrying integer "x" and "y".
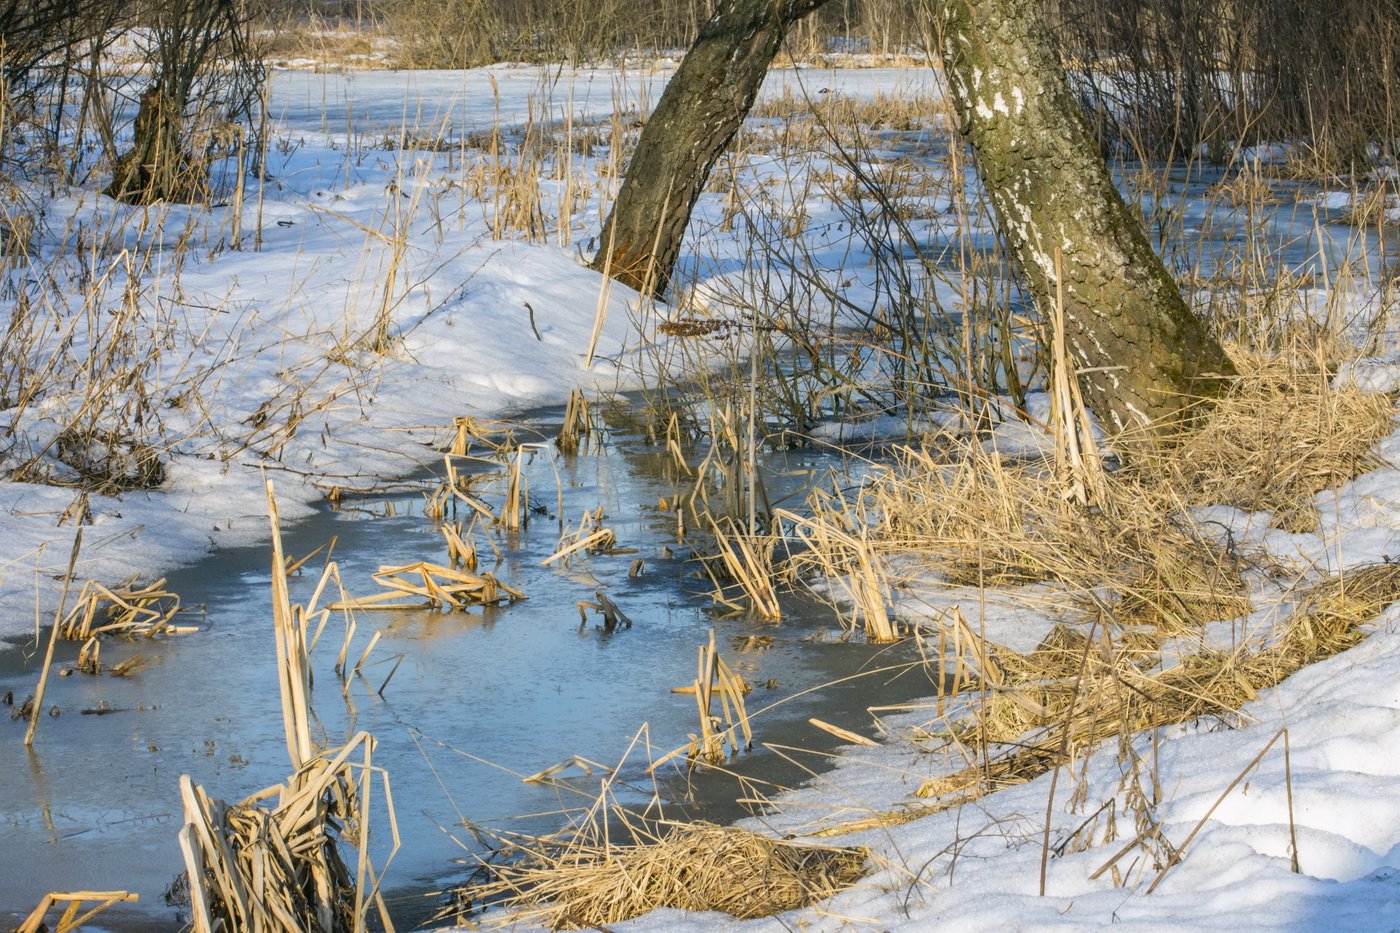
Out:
{"x": 272, "y": 863}
{"x": 1279, "y": 435}
{"x": 590, "y": 535}
{"x": 743, "y": 562}
{"x": 586, "y": 881}
{"x": 128, "y": 609}
{"x": 71, "y": 920}
{"x": 714, "y": 679}
{"x": 847, "y": 557}
{"x": 441, "y": 588}
{"x": 981, "y": 521}
{"x": 1073, "y": 692}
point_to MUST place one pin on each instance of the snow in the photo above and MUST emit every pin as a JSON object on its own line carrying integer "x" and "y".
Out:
{"x": 483, "y": 327}
{"x": 350, "y": 225}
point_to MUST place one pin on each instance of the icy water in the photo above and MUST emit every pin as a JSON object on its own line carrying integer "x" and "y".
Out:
{"x": 480, "y": 698}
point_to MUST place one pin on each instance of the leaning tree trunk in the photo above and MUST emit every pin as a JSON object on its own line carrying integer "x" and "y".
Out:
{"x": 702, "y": 108}
{"x": 1142, "y": 354}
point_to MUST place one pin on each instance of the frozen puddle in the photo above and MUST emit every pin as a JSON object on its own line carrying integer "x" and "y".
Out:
{"x": 480, "y": 699}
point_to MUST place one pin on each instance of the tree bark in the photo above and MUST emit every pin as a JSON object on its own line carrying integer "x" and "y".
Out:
{"x": 1142, "y": 355}
{"x": 701, "y": 109}
{"x": 157, "y": 167}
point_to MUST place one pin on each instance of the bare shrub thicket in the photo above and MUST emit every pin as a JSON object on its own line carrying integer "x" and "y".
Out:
{"x": 203, "y": 90}
{"x": 464, "y": 33}
{"x": 48, "y": 40}
{"x": 159, "y": 90}
{"x": 1169, "y": 77}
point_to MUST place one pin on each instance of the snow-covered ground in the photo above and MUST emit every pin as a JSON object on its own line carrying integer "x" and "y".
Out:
{"x": 354, "y": 233}
{"x": 1233, "y": 798}
{"x": 243, "y": 342}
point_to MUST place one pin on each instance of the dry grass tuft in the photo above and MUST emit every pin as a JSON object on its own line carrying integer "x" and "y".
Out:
{"x": 1131, "y": 554}
{"x": 1372, "y": 207}
{"x": 129, "y": 610}
{"x": 743, "y": 562}
{"x": 981, "y": 521}
{"x": 1073, "y": 692}
{"x": 1279, "y": 436}
{"x": 272, "y": 863}
{"x": 574, "y": 883}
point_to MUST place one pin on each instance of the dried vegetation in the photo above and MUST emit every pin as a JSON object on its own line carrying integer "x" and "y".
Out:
{"x": 1075, "y": 691}
{"x": 1278, "y": 436}
{"x": 585, "y": 880}
{"x": 272, "y": 863}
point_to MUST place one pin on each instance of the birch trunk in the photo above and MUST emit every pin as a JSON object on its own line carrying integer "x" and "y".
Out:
{"x": 1142, "y": 355}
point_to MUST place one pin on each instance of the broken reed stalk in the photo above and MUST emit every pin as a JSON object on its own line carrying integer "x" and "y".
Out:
{"x": 746, "y": 561}
{"x": 128, "y": 609}
{"x": 517, "y": 492}
{"x": 293, "y": 663}
{"x": 71, "y": 921}
{"x": 459, "y": 552}
{"x": 613, "y": 616}
{"x": 590, "y": 535}
{"x": 714, "y": 679}
{"x": 574, "y": 431}
{"x": 53, "y": 638}
{"x": 278, "y": 869}
{"x": 848, "y": 559}
{"x": 441, "y": 588}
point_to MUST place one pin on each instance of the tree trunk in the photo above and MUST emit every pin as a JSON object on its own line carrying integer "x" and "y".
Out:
{"x": 701, "y": 109}
{"x": 1142, "y": 354}
{"x": 156, "y": 168}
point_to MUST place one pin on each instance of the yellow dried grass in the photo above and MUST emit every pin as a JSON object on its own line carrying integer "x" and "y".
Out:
{"x": 1279, "y": 435}
{"x": 441, "y": 588}
{"x": 743, "y": 562}
{"x": 272, "y": 863}
{"x": 1071, "y": 693}
{"x": 71, "y": 920}
{"x": 582, "y": 882}
{"x": 981, "y": 521}
{"x": 590, "y": 535}
{"x": 128, "y": 609}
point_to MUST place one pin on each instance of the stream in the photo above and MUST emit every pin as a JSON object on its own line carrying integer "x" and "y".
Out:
{"x": 480, "y": 698}
{"x": 465, "y": 704}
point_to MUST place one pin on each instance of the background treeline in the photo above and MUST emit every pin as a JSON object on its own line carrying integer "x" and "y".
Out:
{"x": 1172, "y": 75}
{"x": 1161, "y": 78}
{"x": 1164, "y": 76}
